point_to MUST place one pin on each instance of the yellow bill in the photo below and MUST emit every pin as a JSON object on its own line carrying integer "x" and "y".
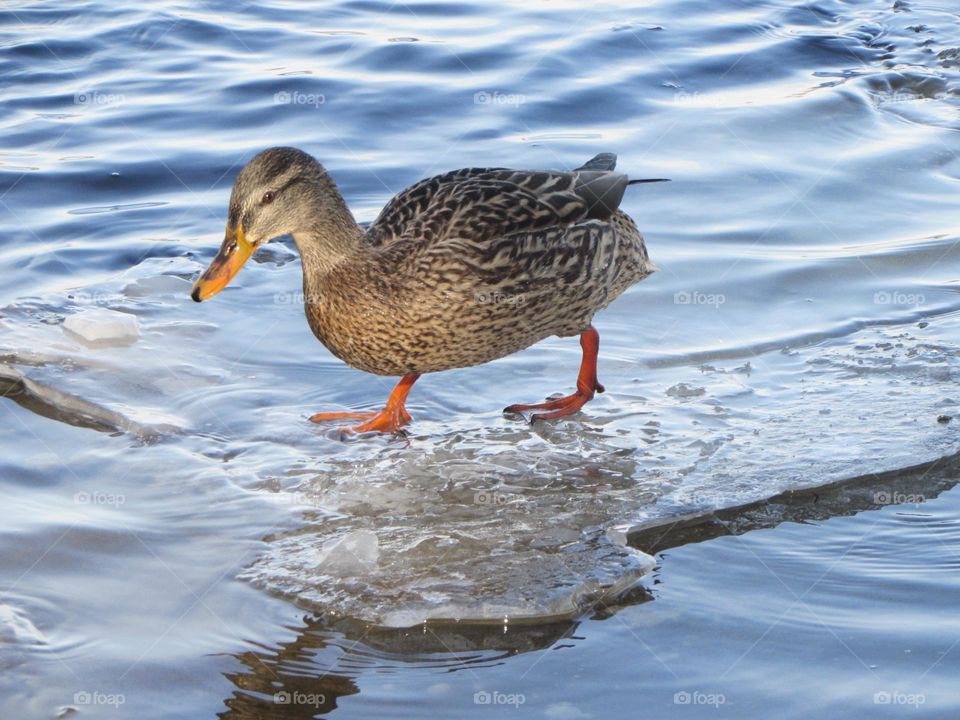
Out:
{"x": 234, "y": 252}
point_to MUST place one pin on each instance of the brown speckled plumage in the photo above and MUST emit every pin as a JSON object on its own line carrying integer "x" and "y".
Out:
{"x": 458, "y": 269}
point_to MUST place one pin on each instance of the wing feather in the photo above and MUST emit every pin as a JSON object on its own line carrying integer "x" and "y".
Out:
{"x": 487, "y": 203}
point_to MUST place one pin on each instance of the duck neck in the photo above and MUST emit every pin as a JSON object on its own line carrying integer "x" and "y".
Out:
{"x": 329, "y": 236}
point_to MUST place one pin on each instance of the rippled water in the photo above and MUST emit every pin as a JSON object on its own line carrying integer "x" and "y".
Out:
{"x": 178, "y": 536}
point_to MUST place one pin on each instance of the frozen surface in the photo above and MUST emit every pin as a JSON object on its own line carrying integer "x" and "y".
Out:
{"x": 103, "y": 328}
{"x": 476, "y": 515}
{"x": 18, "y": 635}
{"x": 16, "y": 627}
{"x": 355, "y": 553}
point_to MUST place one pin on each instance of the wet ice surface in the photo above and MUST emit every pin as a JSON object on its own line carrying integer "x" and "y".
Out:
{"x": 493, "y": 518}
{"x": 104, "y": 328}
{"x": 17, "y": 635}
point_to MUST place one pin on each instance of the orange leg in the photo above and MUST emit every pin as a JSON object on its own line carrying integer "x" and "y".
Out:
{"x": 389, "y": 420}
{"x": 587, "y": 384}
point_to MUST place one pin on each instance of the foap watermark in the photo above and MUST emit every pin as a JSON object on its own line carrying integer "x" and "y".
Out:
{"x": 297, "y": 498}
{"x": 96, "y": 298}
{"x": 895, "y": 697}
{"x": 895, "y": 98}
{"x": 96, "y": 697}
{"x": 311, "y": 499}
{"x": 296, "y": 97}
{"x": 484, "y": 697}
{"x": 696, "y": 697}
{"x": 896, "y": 297}
{"x": 96, "y": 497}
{"x": 285, "y": 697}
{"x": 687, "y": 297}
{"x": 97, "y": 98}
{"x": 494, "y": 97}
{"x": 290, "y": 298}
{"x": 491, "y": 497}
{"x": 893, "y": 497}
{"x": 499, "y": 298}
{"x": 298, "y": 297}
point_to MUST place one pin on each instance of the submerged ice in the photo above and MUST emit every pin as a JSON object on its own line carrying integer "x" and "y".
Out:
{"x": 355, "y": 553}
{"x": 103, "y": 328}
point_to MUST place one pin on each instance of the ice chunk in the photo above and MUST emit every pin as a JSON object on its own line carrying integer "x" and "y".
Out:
{"x": 15, "y": 627}
{"x": 355, "y": 553}
{"x": 682, "y": 390}
{"x": 100, "y": 327}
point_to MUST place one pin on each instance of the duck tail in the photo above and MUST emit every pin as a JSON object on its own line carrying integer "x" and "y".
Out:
{"x": 647, "y": 180}
{"x": 607, "y": 162}
{"x": 603, "y": 161}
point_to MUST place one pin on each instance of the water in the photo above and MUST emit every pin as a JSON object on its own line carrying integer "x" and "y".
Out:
{"x": 179, "y": 539}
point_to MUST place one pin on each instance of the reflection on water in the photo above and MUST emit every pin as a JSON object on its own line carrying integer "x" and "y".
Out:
{"x": 282, "y": 684}
{"x": 305, "y": 677}
{"x": 169, "y": 510}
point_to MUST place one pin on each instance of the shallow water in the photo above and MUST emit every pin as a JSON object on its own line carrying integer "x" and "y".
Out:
{"x": 178, "y": 536}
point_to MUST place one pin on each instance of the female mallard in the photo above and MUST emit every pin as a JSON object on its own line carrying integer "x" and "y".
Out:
{"x": 458, "y": 270}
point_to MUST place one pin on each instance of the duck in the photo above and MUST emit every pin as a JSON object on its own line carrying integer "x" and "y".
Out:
{"x": 458, "y": 270}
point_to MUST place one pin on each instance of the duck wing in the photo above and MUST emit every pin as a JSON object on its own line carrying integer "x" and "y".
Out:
{"x": 475, "y": 204}
{"x": 407, "y": 205}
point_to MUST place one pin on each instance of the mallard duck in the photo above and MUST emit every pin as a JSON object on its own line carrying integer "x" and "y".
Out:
{"x": 457, "y": 270}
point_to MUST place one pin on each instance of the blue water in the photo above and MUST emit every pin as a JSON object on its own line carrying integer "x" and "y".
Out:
{"x": 759, "y": 512}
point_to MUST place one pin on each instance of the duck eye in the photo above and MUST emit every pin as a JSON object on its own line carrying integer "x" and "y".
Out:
{"x": 268, "y": 197}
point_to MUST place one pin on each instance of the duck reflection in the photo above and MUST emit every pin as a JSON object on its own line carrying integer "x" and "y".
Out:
{"x": 305, "y": 677}
{"x": 286, "y": 682}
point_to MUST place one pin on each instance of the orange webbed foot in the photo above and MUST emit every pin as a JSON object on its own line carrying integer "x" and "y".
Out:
{"x": 560, "y": 407}
{"x": 384, "y": 421}
{"x": 388, "y": 420}
{"x": 587, "y": 385}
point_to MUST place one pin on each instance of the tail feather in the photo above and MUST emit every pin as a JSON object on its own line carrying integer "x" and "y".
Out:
{"x": 603, "y": 161}
{"x": 602, "y": 191}
{"x": 607, "y": 162}
{"x": 647, "y": 180}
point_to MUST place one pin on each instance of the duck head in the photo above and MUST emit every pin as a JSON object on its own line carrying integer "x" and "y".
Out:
{"x": 279, "y": 192}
